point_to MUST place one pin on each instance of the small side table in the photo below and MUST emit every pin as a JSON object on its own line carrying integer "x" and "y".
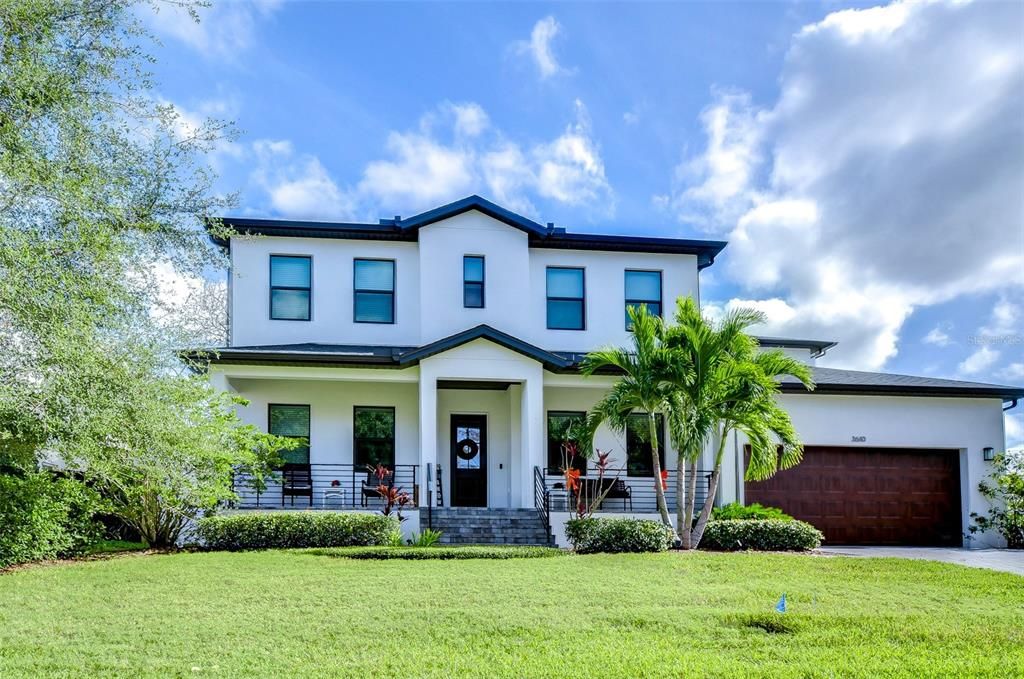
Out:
{"x": 559, "y": 499}
{"x": 333, "y": 492}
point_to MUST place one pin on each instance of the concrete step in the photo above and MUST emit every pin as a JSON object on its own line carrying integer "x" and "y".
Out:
{"x": 479, "y": 525}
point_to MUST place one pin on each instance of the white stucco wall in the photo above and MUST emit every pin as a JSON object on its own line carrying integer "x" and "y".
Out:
{"x": 429, "y": 277}
{"x": 964, "y": 424}
{"x": 331, "y": 317}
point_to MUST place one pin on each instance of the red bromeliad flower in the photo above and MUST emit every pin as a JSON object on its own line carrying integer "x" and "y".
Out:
{"x": 572, "y": 479}
{"x": 381, "y": 472}
{"x": 664, "y": 479}
{"x": 603, "y": 460}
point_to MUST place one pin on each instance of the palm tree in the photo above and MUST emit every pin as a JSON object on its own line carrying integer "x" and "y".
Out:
{"x": 647, "y": 386}
{"x": 728, "y": 385}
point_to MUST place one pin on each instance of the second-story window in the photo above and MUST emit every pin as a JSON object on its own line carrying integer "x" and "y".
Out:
{"x": 473, "y": 282}
{"x": 289, "y": 288}
{"x": 374, "y": 296}
{"x": 566, "y": 298}
{"x": 643, "y": 288}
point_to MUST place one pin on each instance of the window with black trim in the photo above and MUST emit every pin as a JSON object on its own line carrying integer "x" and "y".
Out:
{"x": 290, "y": 282}
{"x": 473, "y": 282}
{"x": 559, "y": 424}
{"x": 643, "y": 288}
{"x": 374, "y": 290}
{"x": 291, "y": 421}
{"x": 373, "y": 436}
{"x": 566, "y": 293}
{"x": 638, "y": 444}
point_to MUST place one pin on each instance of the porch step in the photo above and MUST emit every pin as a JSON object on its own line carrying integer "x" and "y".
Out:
{"x": 471, "y": 525}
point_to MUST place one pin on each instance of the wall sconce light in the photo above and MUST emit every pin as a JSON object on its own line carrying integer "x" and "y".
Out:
{"x": 988, "y": 454}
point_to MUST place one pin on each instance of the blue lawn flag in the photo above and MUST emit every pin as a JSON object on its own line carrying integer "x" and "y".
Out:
{"x": 781, "y": 606}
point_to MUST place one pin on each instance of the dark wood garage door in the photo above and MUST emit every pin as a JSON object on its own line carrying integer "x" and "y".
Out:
{"x": 871, "y": 496}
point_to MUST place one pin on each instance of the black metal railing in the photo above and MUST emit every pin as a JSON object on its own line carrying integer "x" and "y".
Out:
{"x": 541, "y": 498}
{"x": 439, "y": 484}
{"x": 630, "y": 494}
{"x": 324, "y": 486}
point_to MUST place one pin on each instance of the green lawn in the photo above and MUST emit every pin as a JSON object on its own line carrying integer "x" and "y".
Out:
{"x": 300, "y": 613}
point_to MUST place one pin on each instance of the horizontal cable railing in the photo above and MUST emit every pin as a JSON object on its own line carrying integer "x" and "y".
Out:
{"x": 630, "y": 494}
{"x": 325, "y": 486}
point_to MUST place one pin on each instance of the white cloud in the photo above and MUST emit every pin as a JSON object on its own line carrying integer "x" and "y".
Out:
{"x": 1014, "y": 371}
{"x": 538, "y": 47}
{"x": 937, "y": 336}
{"x": 452, "y": 152}
{"x": 222, "y": 30}
{"x": 298, "y": 185}
{"x": 884, "y": 178}
{"x": 631, "y": 117}
{"x": 980, "y": 361}
{"x": 424, "y": 168}
{"x": 1014, "y": 424}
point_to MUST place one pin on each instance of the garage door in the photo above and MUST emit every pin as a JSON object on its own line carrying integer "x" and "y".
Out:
{"x": 871, "y": 496}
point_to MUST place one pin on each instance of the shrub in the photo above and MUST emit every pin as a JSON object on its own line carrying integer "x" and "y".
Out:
{"x": 446, "y": 552}
{"x": 1005, "y": 490}
{"x": 591, "y": 535}
{"x": 761, "y": 534}
{"x": 736, "y": 511}
{"x": 45, "y": 517}
{"x": 296, "y": 529}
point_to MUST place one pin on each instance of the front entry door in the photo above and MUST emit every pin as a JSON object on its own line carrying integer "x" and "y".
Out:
{"x": 469, "y": 461}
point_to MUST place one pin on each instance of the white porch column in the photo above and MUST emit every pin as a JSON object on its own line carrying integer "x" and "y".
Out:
{"x": 531, "y": 434}
{"x": 428, "y": 430}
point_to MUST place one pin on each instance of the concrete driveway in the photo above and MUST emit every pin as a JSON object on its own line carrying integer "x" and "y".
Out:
{"x": 1010, "y": 561}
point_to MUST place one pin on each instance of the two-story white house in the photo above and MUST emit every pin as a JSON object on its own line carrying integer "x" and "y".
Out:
{"x": 446, "y": 347}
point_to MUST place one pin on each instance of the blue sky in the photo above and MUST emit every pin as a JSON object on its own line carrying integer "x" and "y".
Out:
{"x": 865, "y": 163}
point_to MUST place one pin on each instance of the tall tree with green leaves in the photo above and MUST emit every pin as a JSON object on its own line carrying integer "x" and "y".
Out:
{"x": 101, "y": 182}
{"x": 728, "y": 384}
{"x": 647, "y": 384}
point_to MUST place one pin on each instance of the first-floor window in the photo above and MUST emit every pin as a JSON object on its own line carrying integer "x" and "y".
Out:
{"x": 559, "y": 425}
{"x": 291, "y": 421}
{"x": 638, "y": 444}
{"x": 374, "y": 443}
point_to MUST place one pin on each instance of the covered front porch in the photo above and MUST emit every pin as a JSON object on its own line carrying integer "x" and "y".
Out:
{"x": 474, "y": 425}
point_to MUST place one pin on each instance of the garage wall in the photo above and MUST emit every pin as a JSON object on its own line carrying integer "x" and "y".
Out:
{"x": 964, "y": 424}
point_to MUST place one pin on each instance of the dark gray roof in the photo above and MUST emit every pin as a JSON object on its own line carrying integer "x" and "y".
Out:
{"x": 828, "y": 380}
{"x": 550, "y": 360}
{"x": 302, "y": 354}
{"x": 540, "y": 236}
{"x": 817, "y": 347}
{"x": 837, "y": 381}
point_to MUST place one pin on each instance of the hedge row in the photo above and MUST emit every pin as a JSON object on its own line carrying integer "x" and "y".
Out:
{"x": 423, "y": 553}
{"x": 296, "y": 529}
{"x": 765, "y": 535}
{"x": 591, "y": 535}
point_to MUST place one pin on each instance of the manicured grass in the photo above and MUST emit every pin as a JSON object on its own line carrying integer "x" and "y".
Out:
{"x": 302, "y": 613}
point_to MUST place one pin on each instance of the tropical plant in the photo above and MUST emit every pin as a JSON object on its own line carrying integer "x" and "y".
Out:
{"x": 427, "y": 538}
{"x": 395, "y": 499}
{"x": 647, "y": 385}
{"x": 1005, "y": 491}
{"x": 751, "y": 512}
{"x": 726, "y": 384}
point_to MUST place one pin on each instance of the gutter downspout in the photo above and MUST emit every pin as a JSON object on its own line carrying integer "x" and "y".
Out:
{"x": 1013, "y": 404}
